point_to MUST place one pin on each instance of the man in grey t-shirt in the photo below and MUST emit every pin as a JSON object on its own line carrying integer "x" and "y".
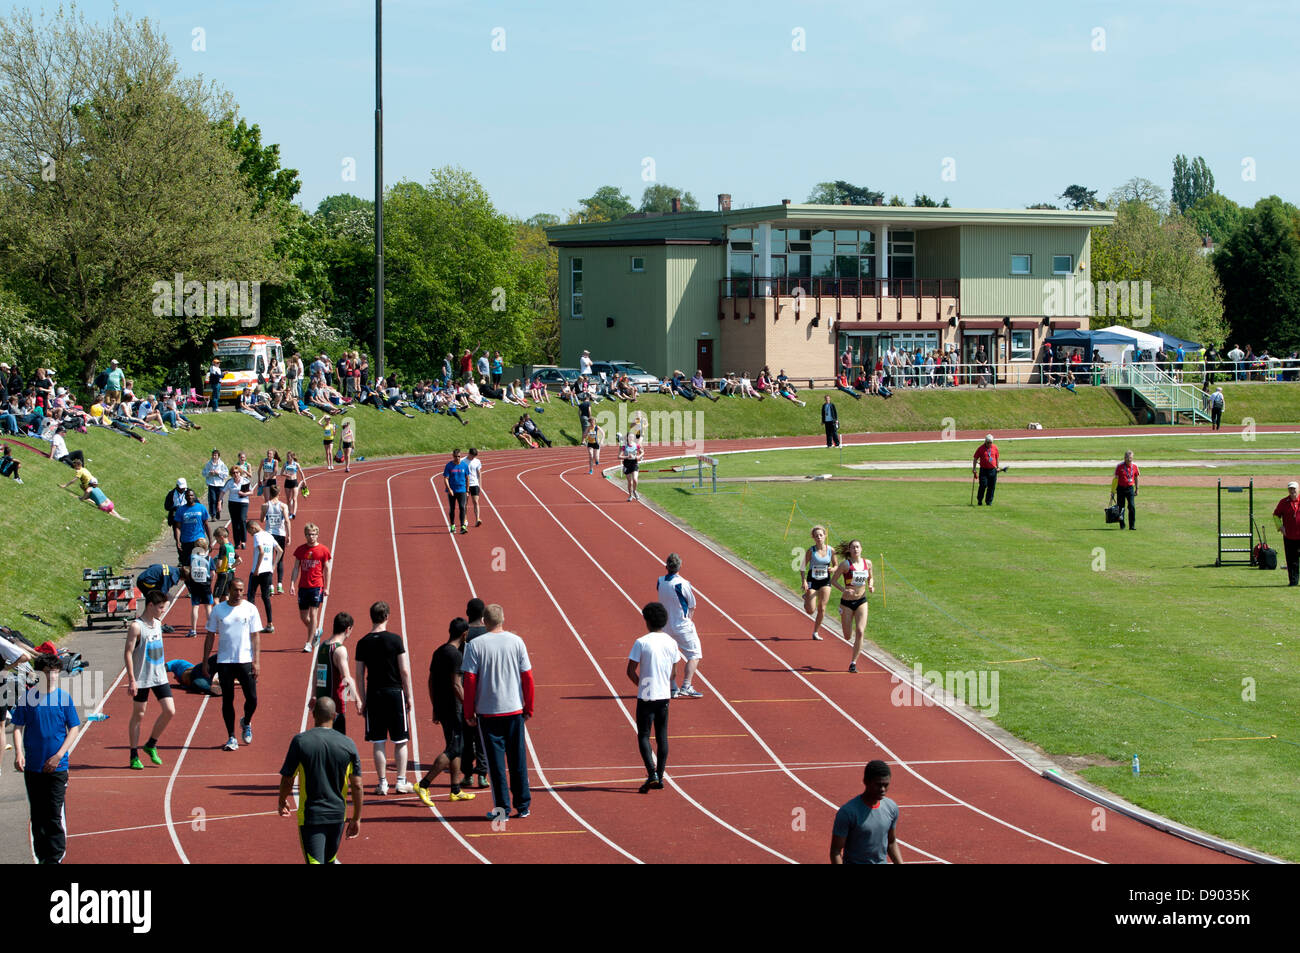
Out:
{"x": 864, "y": 828}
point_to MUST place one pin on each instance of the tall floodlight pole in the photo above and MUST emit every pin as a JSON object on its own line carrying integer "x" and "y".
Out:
{"x": 379, "y": 188}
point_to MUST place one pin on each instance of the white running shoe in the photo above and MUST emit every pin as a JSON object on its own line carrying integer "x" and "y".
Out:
{"x": 382, "y": 787}
{"x": 404, "y": 786}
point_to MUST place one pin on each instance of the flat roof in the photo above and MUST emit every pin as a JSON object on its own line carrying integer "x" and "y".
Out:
{"x": 687, "y": 225}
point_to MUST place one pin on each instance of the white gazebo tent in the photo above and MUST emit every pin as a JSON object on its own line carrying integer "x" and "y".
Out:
{"x": 1114, "y": 354}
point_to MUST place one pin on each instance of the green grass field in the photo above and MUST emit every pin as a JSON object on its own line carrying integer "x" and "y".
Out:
{"x": 1143, "y": 646}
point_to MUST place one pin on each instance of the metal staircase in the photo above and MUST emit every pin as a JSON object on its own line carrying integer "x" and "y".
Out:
{"x": 1160, "y": 391}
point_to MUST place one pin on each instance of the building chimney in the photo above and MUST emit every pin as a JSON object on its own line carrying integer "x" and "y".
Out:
{"x": 724, "y": 202}
{"x": 785, "y": 201}
{"x": 677, "y": 205}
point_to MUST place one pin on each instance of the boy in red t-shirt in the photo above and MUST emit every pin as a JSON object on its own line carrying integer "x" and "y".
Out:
{"x": 314, "y": 562}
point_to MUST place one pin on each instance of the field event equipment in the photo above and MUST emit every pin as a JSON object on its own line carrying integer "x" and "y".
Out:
{"x": 1236, "y": 554}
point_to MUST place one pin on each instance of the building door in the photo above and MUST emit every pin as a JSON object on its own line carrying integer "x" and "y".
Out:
{"x": 704, "y": 357}
{"x": 970, "y": 345}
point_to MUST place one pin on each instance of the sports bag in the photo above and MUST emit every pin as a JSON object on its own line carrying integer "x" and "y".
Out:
{"x": 1263, "y": 556}
{"x": 1113, "y": 513}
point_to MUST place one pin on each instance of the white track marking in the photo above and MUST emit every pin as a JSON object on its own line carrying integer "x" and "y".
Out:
{"x": 171, "y": 781}
{"x": 401, "y": 612}
{"x": 614, "y": 694}
{"x": 853, "y": 721}
{"x": 531, "y": 750}
{"x": 718, "y": 694}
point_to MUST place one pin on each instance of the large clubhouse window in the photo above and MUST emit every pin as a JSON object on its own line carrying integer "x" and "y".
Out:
{"x": 805, "y": 253}
{"x": 575, "y": 287}
{"x": 1062, "y": 264}
{"x": 1021, "y": 264}
{"x": 1022, "y": 345}
{"x": 902, "y": 254}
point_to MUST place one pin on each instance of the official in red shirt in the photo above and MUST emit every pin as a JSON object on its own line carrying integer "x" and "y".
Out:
{"x": 1287, "y": 516}
{"x": 986, "y": 461}
{"x": 1124, "y": 487}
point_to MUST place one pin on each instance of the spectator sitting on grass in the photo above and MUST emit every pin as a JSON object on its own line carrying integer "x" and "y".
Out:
{"x": 472, "y": 393}
{"x": 746, "y": 388}
{"x": 624, "y": 390}
{"x": 729, "y": 386}
{"x": 842, "y": 384}
{"x": 9, "y": 417}
{"x": 538, "y": 392}
{"x": 521, "y": 432}
{"x": 533, "y": 430}
{"x": 786, "y": 389}
{"x": 9, "y": 466}
{"x": 763, "y": 385}
{"x": 248, "y": 405}
{"x": 515, "y": 394}
{"x": 488, "y": 389}
{"x": 172, "y": 413}
{"x": 121, "y": 419}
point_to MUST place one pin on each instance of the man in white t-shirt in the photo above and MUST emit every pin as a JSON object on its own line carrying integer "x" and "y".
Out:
{"x": 650, "y": 667}
{"x": 584, "y": 364}
{"x": 237, "y": 629}
{"x": 678, "y": 598}
{"x": 474, "y": 480}
{"x": 498, "y": 688}
{"x": 266, "y": 553}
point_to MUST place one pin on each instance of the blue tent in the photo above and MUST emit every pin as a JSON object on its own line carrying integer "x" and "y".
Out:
{"x": 1172, "y": 343}
{"x": 1088, "y": 340}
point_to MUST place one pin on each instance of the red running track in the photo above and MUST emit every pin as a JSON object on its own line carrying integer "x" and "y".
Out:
{"x": 757, "y": 766}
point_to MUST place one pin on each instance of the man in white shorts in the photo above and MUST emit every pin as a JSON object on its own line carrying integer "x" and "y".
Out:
{"x": 678, "y": 598}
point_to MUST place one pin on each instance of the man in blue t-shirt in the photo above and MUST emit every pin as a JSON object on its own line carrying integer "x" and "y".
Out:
{"x": 864, "y": 828}
{"x": 45, "y": 728}
{"x": 193, "y": 520}
{"x": 455, "y": 475}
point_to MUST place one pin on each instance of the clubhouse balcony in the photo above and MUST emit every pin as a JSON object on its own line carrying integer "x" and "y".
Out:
{"x": 856, "y": 301}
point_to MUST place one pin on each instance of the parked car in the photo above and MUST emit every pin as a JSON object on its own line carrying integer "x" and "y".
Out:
{"x": 555, "y": 377}
{"x": 641, "y": 379}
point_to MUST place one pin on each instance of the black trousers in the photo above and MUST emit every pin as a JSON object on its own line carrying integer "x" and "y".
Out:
{"x": 1216, "y": 417}
{"x": 988, "y": 483}
{"x": 238, "y": 515}
{"x": 45, "y": 794}
{"x": 1127, "y": 494}
{"x": 653, "y": 715}
{"x": 261, "y": 583}
{"x": 241, "y": 672}
{"x": 832, "y": 433}
{"x": 455, "y": 500}
{"x": 214, "y": 502}
{"x": 1291, "y": 548}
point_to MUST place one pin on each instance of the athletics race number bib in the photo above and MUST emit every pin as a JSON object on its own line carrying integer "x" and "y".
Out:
{"x": 820, "y": 572}
{"x": 322, "y": 675}
{"x": 859, "y": 578}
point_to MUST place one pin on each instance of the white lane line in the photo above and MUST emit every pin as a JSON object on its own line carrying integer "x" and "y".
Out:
{"x": 519, "y": 477}
{"x": 401, "y": 613}
{"x": 614, "y": 694}
{"x": 171, "y": 781}
{"x": 853, "y": 721}
{"x": 541, "y": 773}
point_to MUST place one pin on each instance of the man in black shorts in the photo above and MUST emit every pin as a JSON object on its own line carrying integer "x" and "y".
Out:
{"x": 474, "y": 761}
{"x": 331, "y": 676}
{"x": 384, "y": 684}
{"x": 146, "y": 671}
{"x": 446, "y": 694}
{"x": 325, "y": 763}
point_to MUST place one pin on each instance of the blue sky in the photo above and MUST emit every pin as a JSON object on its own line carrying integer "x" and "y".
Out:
{"x": 715, "y": 93}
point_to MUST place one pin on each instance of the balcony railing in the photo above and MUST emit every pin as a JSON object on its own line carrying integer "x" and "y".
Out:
{"x": 839, "y": 287}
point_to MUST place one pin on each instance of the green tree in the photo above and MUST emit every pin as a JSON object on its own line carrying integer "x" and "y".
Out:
{"x": 1043, "y": 205}
{"x": 1215, "y": 215}
{"x": 1078, "y": 198}
{"x": 608, "y": 203}
{"x": 543, "y": 220}
{"x": 259, "y": 165}
{"x": 659, "y": 198}
{"x": 1138, "y": 189}
{"x": 896, "y": 201}
{"x": 116, "y": 175}
{"x": 454, "y": 275}
{"x": 1186, "y": 299}
{"x": 542, "y": 262}
{"x": 333, "y": 208}
{"x": 924, "y": 201}
{"x": 1192, "y": 182}
{"x": 839, "y": 192}
{"x": 1259, "y": 265}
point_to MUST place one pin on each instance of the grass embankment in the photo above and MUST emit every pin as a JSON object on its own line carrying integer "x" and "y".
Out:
{"x": 47, "y": 537}
{"x": 1126, "y": 642}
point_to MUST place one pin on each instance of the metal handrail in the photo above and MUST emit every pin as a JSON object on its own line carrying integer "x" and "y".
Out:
{"x": 789, "y": 287}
